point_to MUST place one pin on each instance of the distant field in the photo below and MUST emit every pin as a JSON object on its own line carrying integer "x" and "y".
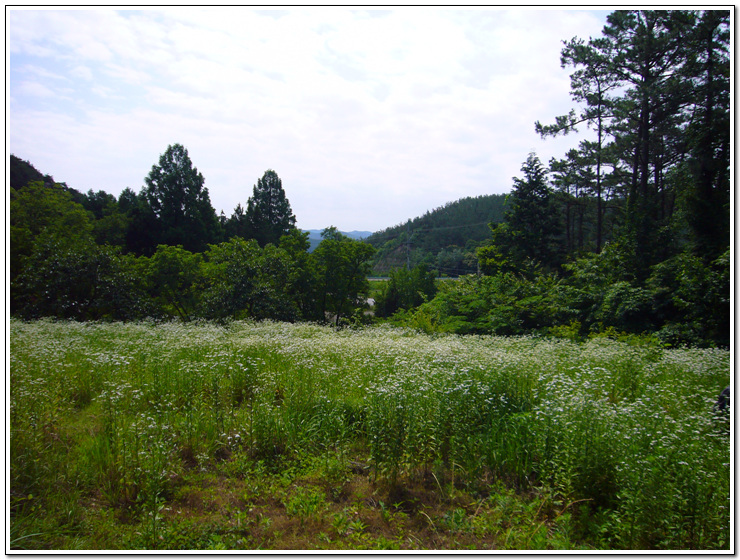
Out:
{"x": 283, "y": 436}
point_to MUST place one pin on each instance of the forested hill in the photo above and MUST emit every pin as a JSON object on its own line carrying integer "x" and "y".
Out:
{"x": 23, "y": 172}
{"x": 443, "y": 239}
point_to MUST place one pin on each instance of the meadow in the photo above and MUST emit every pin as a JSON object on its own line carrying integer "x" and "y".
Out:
{"x": 146, "y": 435}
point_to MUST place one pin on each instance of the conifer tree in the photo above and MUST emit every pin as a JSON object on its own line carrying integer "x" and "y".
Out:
{"x": 269, "y": 215}
{"x": 175, "y": 192}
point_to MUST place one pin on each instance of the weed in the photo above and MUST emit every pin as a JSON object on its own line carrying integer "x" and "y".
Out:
{"x": 523, "y": 443}
{"x": 305, "y": 502}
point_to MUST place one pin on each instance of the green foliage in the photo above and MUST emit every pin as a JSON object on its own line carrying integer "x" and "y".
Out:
{"x": 40, "y": 210}
{"x": 571, "y": 332}
{"x": 709, "y": 136}
{"x": 342, "y": 267}
{"x": 110, "y": 225}
{"x": 303, "y": 282}
{"x": 684, "y": 301}
{"x": 691, "y": 299}
{"x": 268, "y": 216}
{"x": 532, "y": 224}
{"x": 175, "y": 277}
{"x": 243, "y": 280}
{"x": 626, "y": 307}
{"x": 306, "y": 503}
{"x": 405, "y": 289}
{"x": 655, "y": 88}
{"x": 142, "y": 235}
{"x": 444, "y": 239}
{"x": 81, "y": 281}
{"x": 504, "y": 304}
{"x": 493, "y": 257}
{"x": 57, "y": 269}
{"x": 175, "y": 193}
{"x": 529, "y": 233}
{"x": 23, "y": 172}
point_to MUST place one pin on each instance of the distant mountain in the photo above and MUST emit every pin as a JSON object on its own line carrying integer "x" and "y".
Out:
{"x": 314, "y": 236}
{"x": 316, "y": 233}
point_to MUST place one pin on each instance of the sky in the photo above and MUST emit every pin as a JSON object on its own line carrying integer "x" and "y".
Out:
{"x": 370, "y": 117}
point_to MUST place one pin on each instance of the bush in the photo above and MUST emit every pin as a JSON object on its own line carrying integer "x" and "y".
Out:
{"x": 82, "y": 281}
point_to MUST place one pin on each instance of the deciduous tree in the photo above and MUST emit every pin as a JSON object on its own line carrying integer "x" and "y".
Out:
{"x": 174, "y": 277}
{"x": 342, "y": 266}
{"x": 40, "y": 210}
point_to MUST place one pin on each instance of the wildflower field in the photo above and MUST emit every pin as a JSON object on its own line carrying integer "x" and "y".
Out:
{"x": 303, "y": 437}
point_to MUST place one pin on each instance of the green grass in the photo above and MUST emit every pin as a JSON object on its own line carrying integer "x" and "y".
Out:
{"x": 280, "y": 436}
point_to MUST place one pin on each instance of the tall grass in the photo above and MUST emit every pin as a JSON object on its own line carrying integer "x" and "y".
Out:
{"x": 117, "y": 412}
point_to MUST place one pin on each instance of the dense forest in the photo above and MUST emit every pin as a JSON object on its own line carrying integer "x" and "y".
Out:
{"x": 628, "y": 233}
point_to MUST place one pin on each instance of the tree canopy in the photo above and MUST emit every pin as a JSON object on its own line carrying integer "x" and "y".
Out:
{"x": 268, "y": 215}
{"x": 178, "y": 199}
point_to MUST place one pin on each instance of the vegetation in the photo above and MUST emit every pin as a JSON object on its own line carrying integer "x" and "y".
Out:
{"x": 656, "y": 91}
{"x": 405, "y": 289}
{"x": 60, "y": 269}
{"x": 443, "y": 240}
{"x": 268, "y": 211}
{"x": 78, "y": 279}
{"x": 628, "y": 232}
{"x": 296, "y": 436}
{"x": 683, "y": 302}
{"x": 576, "y": 412}
{"x": 617, "y": 234}
{"x": 182, "y": 209}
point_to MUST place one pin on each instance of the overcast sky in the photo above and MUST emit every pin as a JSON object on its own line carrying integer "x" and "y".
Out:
{"x": 369, "y": 117}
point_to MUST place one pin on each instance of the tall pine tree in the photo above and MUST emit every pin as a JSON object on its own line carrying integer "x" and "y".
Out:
{"x": 592, "y": 83}
{"x": 529, "y": 235}
{"x": 649, "y": 52}
{"x": 708, "y": 198}
{"x": 176, "y": 195}
{"x": 269, "y": 215}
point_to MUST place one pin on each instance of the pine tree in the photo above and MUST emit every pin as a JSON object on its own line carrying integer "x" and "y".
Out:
{"x": 529, "y": 234}
{"x": 592, "y": 83}
{"x": 649, "y": 51}
{"x": 709, "y": 135}
{"x": 176, "y": 195}
{"x": 531, "y": 219}
{"x": 269, "y": 215}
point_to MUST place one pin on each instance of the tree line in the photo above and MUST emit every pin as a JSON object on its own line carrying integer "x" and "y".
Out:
{"x": 164, "y": 253}
{"x": 629, "y": 232}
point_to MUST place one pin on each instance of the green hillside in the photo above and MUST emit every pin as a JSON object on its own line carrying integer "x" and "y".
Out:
{"x": 443, "y": 239}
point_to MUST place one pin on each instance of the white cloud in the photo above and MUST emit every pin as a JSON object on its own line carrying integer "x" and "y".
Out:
{"x": 82, "y": 72}
{"x": 44, "y": 73}
{"x": 369, "y": 118}
{"x": 33, "y": 89}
